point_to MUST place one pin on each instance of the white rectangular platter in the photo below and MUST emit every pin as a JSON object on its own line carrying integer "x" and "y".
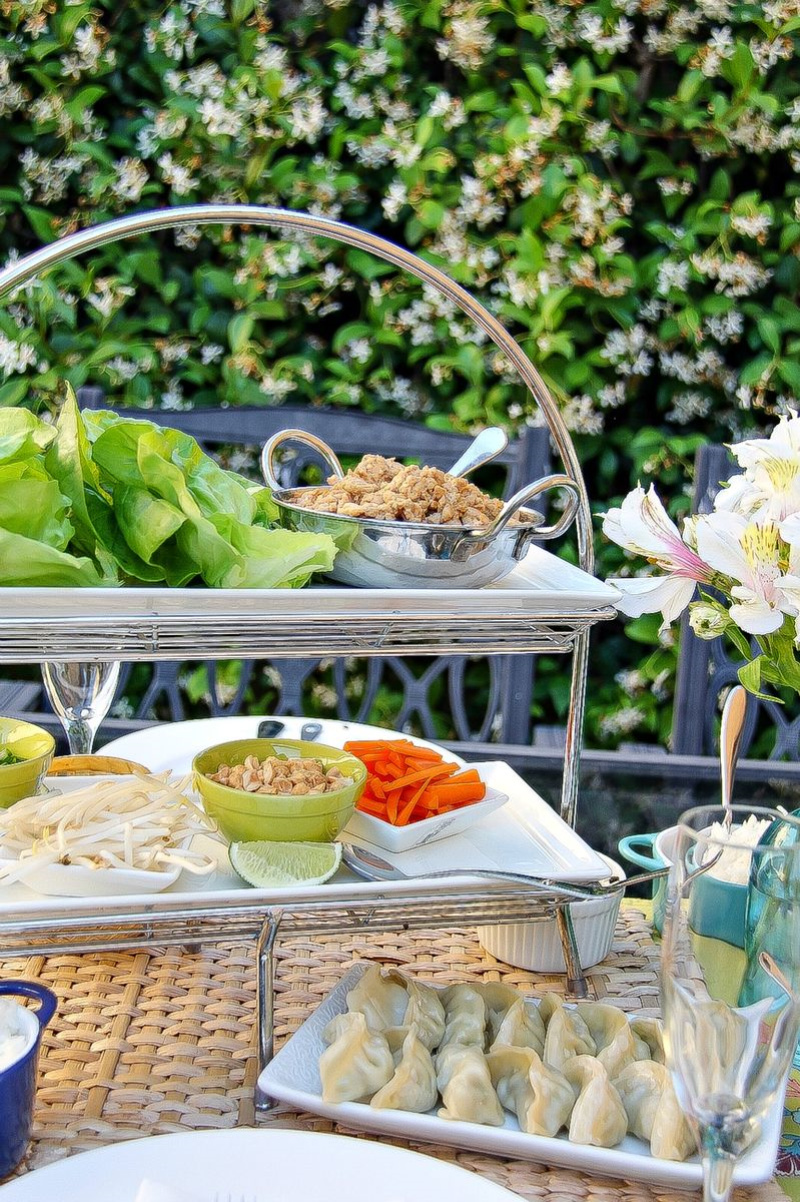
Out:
{"x": 541, "y": 583}
{"x": 525, "y": 832}
{"x": 293, "y": 1077}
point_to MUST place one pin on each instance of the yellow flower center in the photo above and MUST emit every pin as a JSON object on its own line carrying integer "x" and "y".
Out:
{"x": 782, "y": 473}
{"x": 760, "y": 544}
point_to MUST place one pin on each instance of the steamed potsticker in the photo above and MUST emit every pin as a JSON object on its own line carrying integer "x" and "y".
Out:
{"x": 358, "y": 1061}
{"x": 465, "y": 1015}
{"x": 380, "y": 998}
{"x": 649, "y": 1039}
{"x": 413, "y": 1085}
{"x": 540, "y": 1096}
{"x": 519, "y": 1027}
{"x": 390, "y": 1001}
{"x": 465, "y": 1084}
{"x": 567, "y": 1036}
{"x": 611, "y": 1032}
{"x": 653, "y": 1112}
{"x": 598, "y": 1117}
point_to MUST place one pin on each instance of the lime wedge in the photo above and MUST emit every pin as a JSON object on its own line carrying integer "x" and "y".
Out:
{"x": 270, "y": 865}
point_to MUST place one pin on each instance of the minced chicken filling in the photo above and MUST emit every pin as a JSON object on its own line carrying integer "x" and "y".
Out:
{"x": 385, "y": 490}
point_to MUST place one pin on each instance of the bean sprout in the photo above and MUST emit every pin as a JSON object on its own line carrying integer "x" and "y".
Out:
{"x": 144, "y": 823}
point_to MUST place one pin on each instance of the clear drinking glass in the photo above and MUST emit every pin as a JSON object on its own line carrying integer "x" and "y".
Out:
{"x": 730, "y": 977}
{"x": 81, "y": 693}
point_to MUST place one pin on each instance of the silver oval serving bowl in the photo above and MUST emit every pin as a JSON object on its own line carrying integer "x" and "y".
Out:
{"x": 391, "y": 554}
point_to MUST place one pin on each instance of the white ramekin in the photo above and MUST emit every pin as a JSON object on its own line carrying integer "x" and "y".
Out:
{"x": 537, "y": 945}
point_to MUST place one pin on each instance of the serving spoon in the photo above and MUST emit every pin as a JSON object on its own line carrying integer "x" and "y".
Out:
{"x": 730, "y": 741}
{"x": 485, "y": 446}
{"x": 373, "y": 867}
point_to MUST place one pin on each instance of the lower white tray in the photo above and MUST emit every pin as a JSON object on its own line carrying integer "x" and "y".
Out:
{"x": 526, "y": 835}
{"x": 293, "y": 1077}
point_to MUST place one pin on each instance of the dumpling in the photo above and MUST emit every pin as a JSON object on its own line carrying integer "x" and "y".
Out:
{"x": 499, "y": 999}
{"x": 389, "y": 1000}
{"x": 548, "y": 1006}
{"x": 541, "y": 1097}
{"x": 567, "y": 1036}
{"x": 465, "y": 1017}
{"x": 465, "y": 1084}
{"x": 424, "y": 1009}
{"x": 649, "y": 1039}
{"x": 598, "y": 1117}
{"x": 611, "y": 1032}
{"x": 380, "y": 998}
{"x": 413, "y": 1085}
{"x": 653, "y": 1112}
{"x": 520, "y": 1027}
{"x": 358, "y": 1061}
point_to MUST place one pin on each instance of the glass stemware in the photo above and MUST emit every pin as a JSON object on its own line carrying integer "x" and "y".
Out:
{"x": 730, "y": 977}
{"x": 80, "y": 694}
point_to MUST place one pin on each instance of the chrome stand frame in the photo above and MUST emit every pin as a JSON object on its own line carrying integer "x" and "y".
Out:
{"x": 141, "y": 636}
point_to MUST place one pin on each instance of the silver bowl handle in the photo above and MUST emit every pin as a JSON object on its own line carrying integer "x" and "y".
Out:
{"x": 272, "y": 444}
{"x": 521, "y": 498}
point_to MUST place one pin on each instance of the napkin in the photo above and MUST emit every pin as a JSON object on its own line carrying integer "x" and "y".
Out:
{"x": 156, "y": 1191}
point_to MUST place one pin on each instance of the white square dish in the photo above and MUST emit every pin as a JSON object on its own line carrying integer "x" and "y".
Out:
{"x": 293, "y": 1077}
{"x": 365, "y": 828}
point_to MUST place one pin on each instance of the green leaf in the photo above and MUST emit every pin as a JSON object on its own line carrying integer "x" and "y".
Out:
{"x": 42, "y": 223}
{"x": 240, "y": 330}
{"x": 750, "y": 676}
{"x": 366, "y": 265}
{"x": 770, "y": 333}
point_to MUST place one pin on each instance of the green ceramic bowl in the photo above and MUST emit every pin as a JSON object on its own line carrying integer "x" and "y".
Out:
{"x": 34, "y": 747}
{"x": 246, "y": 817}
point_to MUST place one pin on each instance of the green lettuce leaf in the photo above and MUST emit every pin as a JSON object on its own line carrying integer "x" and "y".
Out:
{"x": 69, "y": 461}
{"x": 31, "y": 504}
{"x": 22, "y": 435}
{"x": 24, "y": 562}
{"x": 275, "y": 558}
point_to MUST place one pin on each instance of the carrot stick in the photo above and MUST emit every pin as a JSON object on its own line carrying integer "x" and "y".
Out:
{"x": 423, "y": 774}
{"x": 467, "y": 777}
{"x": 448, "y": 794}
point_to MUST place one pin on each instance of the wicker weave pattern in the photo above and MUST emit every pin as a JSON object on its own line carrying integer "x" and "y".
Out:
{"x": 157, "y": 1041}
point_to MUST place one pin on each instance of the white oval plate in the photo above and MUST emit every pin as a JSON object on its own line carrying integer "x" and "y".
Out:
{"x": 260, "y": 1166}
{"x": 175, "y": 744}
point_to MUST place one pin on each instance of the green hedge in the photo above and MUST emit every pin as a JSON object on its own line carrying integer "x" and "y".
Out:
{"x": 618, "y": 181}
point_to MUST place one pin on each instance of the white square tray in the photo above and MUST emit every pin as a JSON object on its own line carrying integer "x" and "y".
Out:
{"x": 293, "y": 1077}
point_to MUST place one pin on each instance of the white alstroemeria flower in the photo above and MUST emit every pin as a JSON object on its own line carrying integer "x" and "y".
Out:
{"x": 790, "y": 589}
{"x": 747, "y": 552}
{"x": 740, "y": 496}
{"x": 772, "y": 468}
{"x": 642, "y": 525}
{"x": 649, "y": 594}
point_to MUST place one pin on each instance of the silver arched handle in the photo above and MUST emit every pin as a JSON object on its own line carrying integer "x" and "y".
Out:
{"x": 528, "y": 493}
{"x": 29, "y": 266}
{"x": 272, "y": 444}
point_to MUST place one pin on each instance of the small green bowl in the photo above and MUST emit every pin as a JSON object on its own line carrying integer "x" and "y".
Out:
{"x": 35, "y": 748}
{"x": 249, "y": 817}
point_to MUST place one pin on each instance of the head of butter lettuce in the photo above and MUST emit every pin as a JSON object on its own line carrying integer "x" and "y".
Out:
{"x": 100, "y": 500}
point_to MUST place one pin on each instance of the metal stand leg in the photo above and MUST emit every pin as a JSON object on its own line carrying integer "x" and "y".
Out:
{"x": 576, "y": 981}
{"x": 265, "y": 1000}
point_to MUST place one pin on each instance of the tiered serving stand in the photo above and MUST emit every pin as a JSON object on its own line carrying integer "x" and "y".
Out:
{"x": 37, "y": 625}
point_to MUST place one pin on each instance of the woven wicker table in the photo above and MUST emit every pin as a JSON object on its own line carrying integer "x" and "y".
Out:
{"x": 158, "y": 1041}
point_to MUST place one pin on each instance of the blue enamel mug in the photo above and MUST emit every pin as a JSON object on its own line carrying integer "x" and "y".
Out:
{"x": 18, "y": 1078}
{"x": 650, "y": 852}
